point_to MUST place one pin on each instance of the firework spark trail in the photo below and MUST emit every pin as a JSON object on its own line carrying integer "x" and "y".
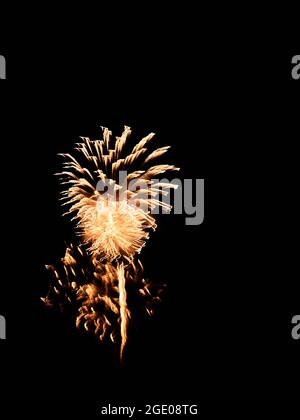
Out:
{"x": 124, "y": 313}
{"x": 112, "y": 228}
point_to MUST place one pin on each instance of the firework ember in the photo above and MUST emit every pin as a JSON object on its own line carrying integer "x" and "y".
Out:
{"x": 114, "y": 216}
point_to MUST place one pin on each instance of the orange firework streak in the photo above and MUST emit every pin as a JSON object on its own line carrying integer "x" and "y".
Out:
{"x": 112, "y": 227}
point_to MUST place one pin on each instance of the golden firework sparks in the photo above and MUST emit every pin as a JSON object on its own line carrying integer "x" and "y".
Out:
{"x": 113, "y": 220}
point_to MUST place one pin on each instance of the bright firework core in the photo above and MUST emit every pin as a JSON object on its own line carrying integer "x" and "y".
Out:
{"x": 113, "y": 221}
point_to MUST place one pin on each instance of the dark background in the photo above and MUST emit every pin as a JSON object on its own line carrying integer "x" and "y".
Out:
{"x": 226, "y": 103}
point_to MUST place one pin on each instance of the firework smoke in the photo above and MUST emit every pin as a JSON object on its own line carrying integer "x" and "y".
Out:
{"x": 112, "y": 225}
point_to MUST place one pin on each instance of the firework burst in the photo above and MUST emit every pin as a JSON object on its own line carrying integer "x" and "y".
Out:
{"x": 113, "y": 220}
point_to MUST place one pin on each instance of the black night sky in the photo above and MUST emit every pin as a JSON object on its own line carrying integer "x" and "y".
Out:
{"x": 230, "y": 110}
